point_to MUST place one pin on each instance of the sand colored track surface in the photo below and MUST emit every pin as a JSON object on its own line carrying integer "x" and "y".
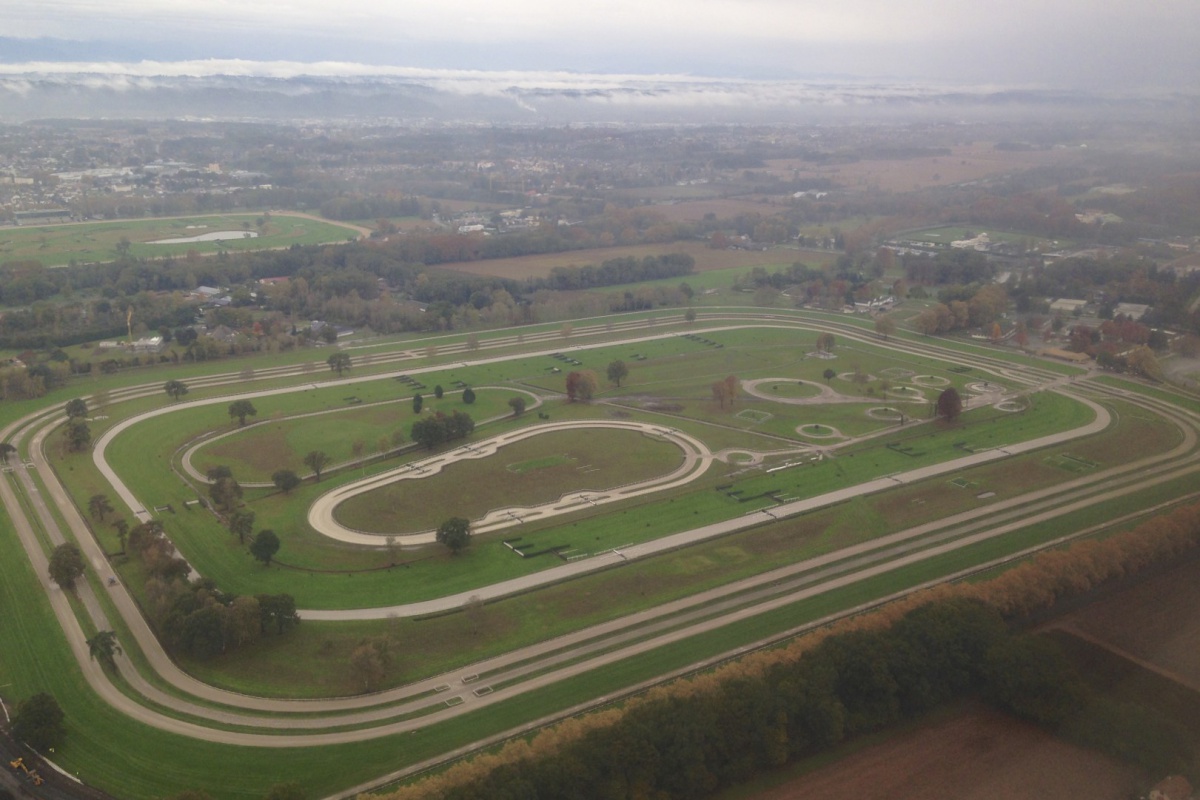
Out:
{"x": 697, "y": 458}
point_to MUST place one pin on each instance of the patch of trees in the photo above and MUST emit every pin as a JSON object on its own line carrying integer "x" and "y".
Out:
{"x": 581, "y": 385}
{"x": 436, "y": 430}
{"x": 199, "y": 620}
{"x": 963, "y": 308}
{"x": 338, "y": 284}
{"x": 949, "y": 266}
{"x": 148, "y": 544}
{"x": 39, "y": 722}
{"x": 616, "y": 271}
{"x": 1129, "y": 279}
{"x": 693, "y": 737}
{"x": 195, "y": 617}
{"x": 357, "y": 207}
{"x": 223, "y": 489}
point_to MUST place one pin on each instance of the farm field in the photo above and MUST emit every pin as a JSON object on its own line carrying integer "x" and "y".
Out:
{"x": 974, "y": 754}
{"x": 1157, "y": 621}
{"x": 695, "y": 210}
{"x": 60, "y": 245}
{"x": 539, "y": 266}
{"x": 968, "y": 162}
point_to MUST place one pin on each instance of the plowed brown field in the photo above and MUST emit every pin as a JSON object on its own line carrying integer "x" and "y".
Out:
{"x": 975, "y": 755}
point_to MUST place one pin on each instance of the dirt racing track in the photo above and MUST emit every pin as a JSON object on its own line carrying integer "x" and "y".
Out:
{"x": 696, "y": 458}
{"x": 194, "y": 709}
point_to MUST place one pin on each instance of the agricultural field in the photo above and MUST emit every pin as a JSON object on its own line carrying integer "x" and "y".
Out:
{"x": 60, "y": 245}
{"x": 976, "y": 753}
{"x": 1155, "y": 622}
{"x": 965, "y": 162}
{"x": 707, "y": 259}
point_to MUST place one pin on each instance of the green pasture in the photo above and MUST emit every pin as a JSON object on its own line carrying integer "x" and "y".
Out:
{"x": 59, "y": 245}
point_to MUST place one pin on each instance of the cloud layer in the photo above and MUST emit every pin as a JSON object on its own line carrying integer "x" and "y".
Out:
{"x": 1062, "y": 43}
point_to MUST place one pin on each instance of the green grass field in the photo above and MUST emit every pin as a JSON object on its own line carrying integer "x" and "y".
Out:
{"x": 59, "y": 245}
{"x": 521, "y": 474}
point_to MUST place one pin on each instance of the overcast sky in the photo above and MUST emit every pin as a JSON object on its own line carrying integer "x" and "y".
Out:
{"x": 1050, "y": 43}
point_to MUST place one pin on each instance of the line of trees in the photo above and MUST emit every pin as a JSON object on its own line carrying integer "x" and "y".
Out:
{"x": 617, "y": 271}
{"x": 692, "y": 737}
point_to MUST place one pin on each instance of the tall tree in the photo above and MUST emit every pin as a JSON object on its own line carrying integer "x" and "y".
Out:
{"x": 581, "y": 385}
{"x": 103, "y": 647}
{"x": 316, "y": 461}
{"x": 66, "y": 564}
{"x": 617, "y": 371}
{"x": 240, "y": 409}
{"x": 517, "y": 404}
{"x": 99, "y": 507}
{"x": 278, "y": 610}
{"x": 225, "y": 492}
{"x": 122, "y": 529}
{"x": 468, "y": 395}
{"x": 285, "y": 480}
{"x": 885, "y": 326}
{"x": 339, "y": 362}
{"x": 418, "y": 402}
{"x": 370, "y": 661}
{"x": 76, "y": 409}
{"x": 949, "y": 404}
{"x": 39, "y": 722}
{"x": 455, "y": 534}
{"x": 241, "y": 523}
{"x": 828, "y": 375}
{"x": 79, "y": 435}
{"x": 265, "y": 546}
{"x": 175, "y": 389}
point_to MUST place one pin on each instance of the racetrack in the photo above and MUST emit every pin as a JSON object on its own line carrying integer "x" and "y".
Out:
{"x": 279, "y": 723}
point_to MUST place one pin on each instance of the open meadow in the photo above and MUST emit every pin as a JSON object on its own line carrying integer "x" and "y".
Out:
{"x": 61, "y": 245}
{"x": 706, "y": 258}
